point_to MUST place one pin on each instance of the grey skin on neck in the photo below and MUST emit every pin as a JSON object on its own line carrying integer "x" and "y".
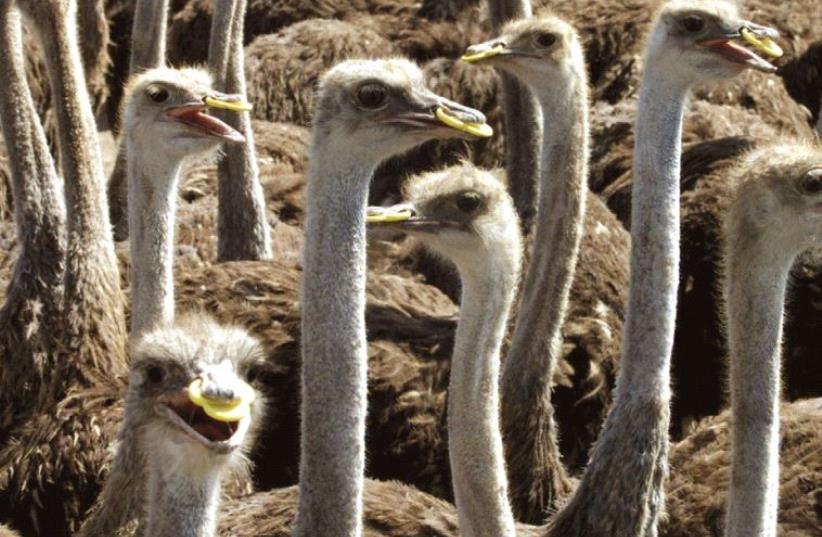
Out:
{"x": 757, "y": 273}
{"x": 621, "y": 490}
{"x": 148, "y": 50}
{"x": 152, "y": 200}
{"x": 535, "y": 465}
{"x": 334, "y": 368}
{"x": 476, "y": 451}
{"x": 92, "y": 282}
{"x": 242, "y": 229}
{"x": 180, "y": 505}
{"x": 40, "y": 218}
{"x": 522, "y": 128}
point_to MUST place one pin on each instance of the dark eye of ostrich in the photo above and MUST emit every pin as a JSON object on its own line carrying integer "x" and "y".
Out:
{"x": 693, "y": 23}
{"x": 811, "y": 182}
{"x": 372, "y": 96}
{"x": 545, "y": 40}
{"x": 157, "y": 94}
{"x": 468, "y": 202}
{"x": 155, "y": 374}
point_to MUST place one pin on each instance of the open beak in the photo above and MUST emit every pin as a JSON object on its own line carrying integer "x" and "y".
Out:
{"x": 752, "y": 45}
{"x": 403, "y": 217}
{"x": 196, "y": 115}
{"x": 439, "y": 112}
{"x": 219, "y": 423}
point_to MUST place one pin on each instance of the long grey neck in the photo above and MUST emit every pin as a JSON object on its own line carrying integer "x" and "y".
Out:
{"x": 148, "y": 50}
{"x": 148, "y": 35}
{"x": 535, "y": 345}
{"x": 755, "y": 294}
{"x": 522, "y": 126}
{"x": 39, "y": 211}
{"x": 152, "y": 195}
{"x": 631, "y": 452}
{"x": 183, "y": 497}
{"x": 242, "y": 229}
{"x": 92, "y": 280}
{"x": 334, "y": 388}
{"x": 475, "y": 442}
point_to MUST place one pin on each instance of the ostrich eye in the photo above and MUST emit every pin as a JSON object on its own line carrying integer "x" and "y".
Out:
{"x": 157, "y": 94}
{"x": 468, "y": 202}
{"x": 372, "y": 96}
{"x": 693, "y": 23}
{"x": 811, "y": 182}
{"x": 155, "y": 374}
{"x": 545, "y": 40}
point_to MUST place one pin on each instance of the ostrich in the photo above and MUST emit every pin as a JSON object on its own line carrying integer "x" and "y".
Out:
{"x": 63, "y": 446}
{"x": 148, "y": 50}
{"x": 629, "y": 460}
{"x": 242, "y": 229}
{"x": 758, "y": 259}
{"x": 546, "y": 55}
{"x": 34, "y": 295}
{"x": 366, "y": 111}
{"x": 165, "y": 123}
{"x": 190, "y": 418}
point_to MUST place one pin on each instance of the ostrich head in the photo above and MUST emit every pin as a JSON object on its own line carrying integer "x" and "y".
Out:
{"x": 537, "y": 51}
{"x": 168, "y": 109}
{"x": 378, "y": 108}
{"x": 703, "y": 40}
{"x": 189, "y": 397}
{"x": 462, "y": 213}
{"x": 780, "y": 195}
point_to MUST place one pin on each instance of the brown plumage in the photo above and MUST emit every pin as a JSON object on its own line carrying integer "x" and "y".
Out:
{"x": 802, "y": 76}
{"x": 282, "y": 69}
{"x": 50, "y": 471}
{"x": 700, "y": 475}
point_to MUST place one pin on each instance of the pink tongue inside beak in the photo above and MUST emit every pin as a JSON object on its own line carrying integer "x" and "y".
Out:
{"x": 195, "y": 116}
{"x": 735, "y": 52}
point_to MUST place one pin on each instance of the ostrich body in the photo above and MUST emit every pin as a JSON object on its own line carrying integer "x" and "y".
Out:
{"x": 34, "y": 296}
{"x": 41, "y": 460}
{"x": 170, "y": 442}
{"x": 546, "y": 55}
{"x": 758, "y": 259}
{"x": 386, "y": 121}
{"x": 148, "y": 51}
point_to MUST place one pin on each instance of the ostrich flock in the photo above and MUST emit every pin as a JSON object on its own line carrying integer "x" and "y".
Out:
{"x": 343, "y": 268}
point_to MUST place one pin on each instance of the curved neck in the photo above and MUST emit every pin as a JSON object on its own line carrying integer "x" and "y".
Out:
{"x": 39, "y": 211}
{"x": 148, "y": 35}
{"x": 183, "y": 494}
{"x": 242, "y": 229}
{"x": 755, "y": 293}
{"x": 475, "y": 442}
{"x": 632, "y": 447}
{"x": 152, "y": 195}
{"x": 535, "y": 345}
{"x": 334, "y": 387}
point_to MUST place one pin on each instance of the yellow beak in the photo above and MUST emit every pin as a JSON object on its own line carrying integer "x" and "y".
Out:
{"x": 225, "y": 411}
{"x": 482, "y": 130}
{"x": 234, "y": 106}
{"x": 765, "y": 45}
{"x": 472, "y": 57}
{"x": 387, "y": 215}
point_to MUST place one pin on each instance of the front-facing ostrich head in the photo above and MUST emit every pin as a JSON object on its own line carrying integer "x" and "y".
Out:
{"x": 373, "y": 109}
{"x": 779, "y": 198}
{"x": 189, "y": 396}
{"x": 707, "y": 39}
{"x": 540, "y": 51}
{"x": 165, "y": 112}
{"x": 464, "y": 214}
